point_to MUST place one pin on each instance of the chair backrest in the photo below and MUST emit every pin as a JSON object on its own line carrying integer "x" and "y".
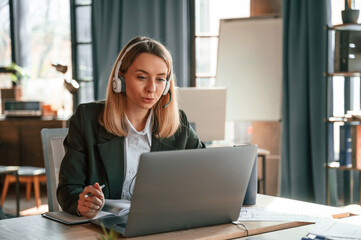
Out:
{"x": 53, "y": 150}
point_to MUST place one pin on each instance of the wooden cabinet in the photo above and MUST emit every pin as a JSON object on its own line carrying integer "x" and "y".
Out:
{"x": 20, "y": 140}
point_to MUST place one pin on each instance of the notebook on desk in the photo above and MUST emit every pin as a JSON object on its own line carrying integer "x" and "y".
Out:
{"x": 185, "y": 189}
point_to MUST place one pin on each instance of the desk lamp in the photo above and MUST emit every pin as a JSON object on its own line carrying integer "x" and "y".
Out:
{"x": 71, "y": 85}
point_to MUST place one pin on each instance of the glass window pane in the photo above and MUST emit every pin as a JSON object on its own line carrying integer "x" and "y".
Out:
{"x": 85, "y": 61}
{"x": 206, "y": 56}
{"x": 86, "y": 92}
{"x": 355, "y": 94}
{"x": 208, "y": 13}
{"x": 338, "y": 96}
{"x": 205, "y": 82}
{"x": 48, "y": 37}
{"x": 5, "y": 39}
{"x": 83, "y": 24}
{"x": 337, "y": 6}
{"x": 83, "y": 1}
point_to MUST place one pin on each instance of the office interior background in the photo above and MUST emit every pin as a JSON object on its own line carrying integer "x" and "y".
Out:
{"x": 87, "y": 35}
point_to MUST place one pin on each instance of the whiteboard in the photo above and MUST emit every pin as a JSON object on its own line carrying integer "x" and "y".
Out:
{"x": 250, "y": 67}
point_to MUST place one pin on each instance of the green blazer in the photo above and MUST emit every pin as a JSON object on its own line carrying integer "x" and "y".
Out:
{"x": 95, "y": 155}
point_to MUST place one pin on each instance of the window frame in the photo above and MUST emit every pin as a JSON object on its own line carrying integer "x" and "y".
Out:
{"x": 203, "y": 75}
{"x": 209, "y": 36}
{"x": 74, "y": 49}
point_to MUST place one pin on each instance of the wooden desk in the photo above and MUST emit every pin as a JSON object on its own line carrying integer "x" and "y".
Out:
{"x": 284, "y": 234}
{"x": 38, "y": 227}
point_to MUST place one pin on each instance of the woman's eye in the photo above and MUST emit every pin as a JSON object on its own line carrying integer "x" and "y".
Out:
{"x": 161, "y": 79}
{"x": 141, "y": 77}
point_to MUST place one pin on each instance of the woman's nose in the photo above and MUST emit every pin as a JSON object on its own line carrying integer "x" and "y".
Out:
{"x": 151, "y": 86}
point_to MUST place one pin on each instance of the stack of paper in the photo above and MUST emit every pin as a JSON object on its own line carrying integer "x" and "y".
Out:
{"x": 345, "y": 228}
{"x": 263, "y": 214}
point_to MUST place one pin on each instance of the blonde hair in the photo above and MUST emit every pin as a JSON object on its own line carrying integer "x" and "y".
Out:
{"x": 165, "y": 120}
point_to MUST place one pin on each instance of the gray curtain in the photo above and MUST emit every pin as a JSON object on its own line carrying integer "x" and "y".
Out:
{"x": 304, "y": 92}
{"x": 115, "y": 22}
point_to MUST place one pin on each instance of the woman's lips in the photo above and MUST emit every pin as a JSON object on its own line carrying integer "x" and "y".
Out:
{"x": 148, "y": 100}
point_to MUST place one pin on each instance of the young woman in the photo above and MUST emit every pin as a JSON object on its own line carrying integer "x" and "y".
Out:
{"x": 140, "y": 114}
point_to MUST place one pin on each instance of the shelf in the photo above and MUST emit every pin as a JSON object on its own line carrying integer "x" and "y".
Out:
{"x": 344, "y": 74}
{"x": 343, "y": 119}
{"x": 352, "y": 118}
{"x": 343, "y": 168}
{"x": 346, "y": 27}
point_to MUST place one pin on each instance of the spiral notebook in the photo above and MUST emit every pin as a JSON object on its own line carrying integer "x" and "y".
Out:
{"x": 111, "y": 207}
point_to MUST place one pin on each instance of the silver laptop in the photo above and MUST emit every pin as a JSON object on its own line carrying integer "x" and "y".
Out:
{"x": 185, "y": 189}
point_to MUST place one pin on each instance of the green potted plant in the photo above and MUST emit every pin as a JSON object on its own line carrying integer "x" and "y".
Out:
{"x": 111, "y": 235}
{"x": 17, "y": 73}
{"x": 350, "y": 15}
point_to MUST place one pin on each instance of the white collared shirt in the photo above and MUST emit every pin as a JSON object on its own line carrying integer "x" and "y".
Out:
{"x": 135, "y": 144}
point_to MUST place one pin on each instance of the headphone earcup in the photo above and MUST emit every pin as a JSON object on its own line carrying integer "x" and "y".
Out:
{"x": 118, "y": 85}
{"x": 166, "y": 88}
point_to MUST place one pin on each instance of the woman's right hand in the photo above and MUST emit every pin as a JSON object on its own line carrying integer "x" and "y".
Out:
{"x": 90, "y": 205}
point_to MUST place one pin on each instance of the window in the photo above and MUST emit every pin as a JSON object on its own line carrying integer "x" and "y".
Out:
{"x": 6, "y": 51}
{"x": 47, "y": 32}
{"x": 208, "y": 14}
{"x": 37, "y": 37}
{"x": 45, "y": 35}
{"x": 5, "y": 38}
{"x": 82, "y": 49}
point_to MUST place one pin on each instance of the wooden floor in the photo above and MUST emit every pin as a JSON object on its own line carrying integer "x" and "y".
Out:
{"x": 26, "y": 207}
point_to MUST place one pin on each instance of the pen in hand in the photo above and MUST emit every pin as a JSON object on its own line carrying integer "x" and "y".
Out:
{"x": 89, "y": 194}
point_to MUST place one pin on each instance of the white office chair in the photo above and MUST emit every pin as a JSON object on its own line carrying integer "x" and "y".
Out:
{"x": 53, "y": 149}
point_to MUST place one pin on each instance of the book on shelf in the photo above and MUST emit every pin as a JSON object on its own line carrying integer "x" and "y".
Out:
{"x": 345, "y": 145}
{"x": 112, "y": 207}
{"x": 356, "y": 146}
{"x": 330, "y": 148}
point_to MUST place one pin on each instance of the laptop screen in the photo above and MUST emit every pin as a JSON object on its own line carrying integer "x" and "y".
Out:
{"x": 189, "y": 188}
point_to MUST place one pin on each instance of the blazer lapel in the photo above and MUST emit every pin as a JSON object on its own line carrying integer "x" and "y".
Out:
{"x": 111, "y": 150}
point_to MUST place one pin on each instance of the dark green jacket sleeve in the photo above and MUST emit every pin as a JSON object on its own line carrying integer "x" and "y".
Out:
{"x": 75, "y": 170}
{"x": 94, "y": 155}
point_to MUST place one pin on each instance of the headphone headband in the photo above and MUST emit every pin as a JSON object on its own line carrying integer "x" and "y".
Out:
{"x": 116, "y": 71}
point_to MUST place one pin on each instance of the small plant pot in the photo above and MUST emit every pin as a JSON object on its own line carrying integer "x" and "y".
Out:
{"x": 350, "y": 16}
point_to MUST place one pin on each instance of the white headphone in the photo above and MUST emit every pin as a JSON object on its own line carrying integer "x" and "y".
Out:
{"x": 119, "y": 82}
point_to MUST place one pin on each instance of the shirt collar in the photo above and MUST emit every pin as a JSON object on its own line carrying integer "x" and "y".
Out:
{"x": 147, "y": 129}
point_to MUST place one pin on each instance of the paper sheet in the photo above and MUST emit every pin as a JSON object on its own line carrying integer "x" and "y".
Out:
{"x": 346, "y": 228}
{"x": 262, "y": 214}
{"x": 119, "y": 207}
